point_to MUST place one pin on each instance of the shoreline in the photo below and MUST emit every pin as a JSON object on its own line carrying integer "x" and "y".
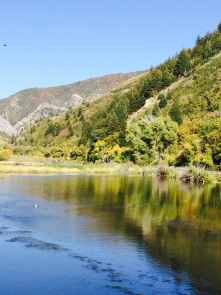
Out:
{"x": 194, "y": 174}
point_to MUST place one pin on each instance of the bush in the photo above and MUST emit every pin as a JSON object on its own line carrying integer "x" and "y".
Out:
{"x": 5, "y": 154}
{"x": 196, "y": 175}
{"x": 161, "y": 171}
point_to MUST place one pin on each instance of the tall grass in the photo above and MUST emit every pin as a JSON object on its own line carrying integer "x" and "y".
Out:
{"x": 27, "y": 165}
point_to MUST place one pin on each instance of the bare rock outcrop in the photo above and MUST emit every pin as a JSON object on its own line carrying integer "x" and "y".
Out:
{"x": 6, "y": 127}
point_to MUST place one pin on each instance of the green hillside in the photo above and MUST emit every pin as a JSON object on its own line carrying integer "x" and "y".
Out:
{"x": 171, "y": 113}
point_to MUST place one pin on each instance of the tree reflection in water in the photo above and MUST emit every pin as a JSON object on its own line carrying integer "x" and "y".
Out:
{"x": 177, "y": 224}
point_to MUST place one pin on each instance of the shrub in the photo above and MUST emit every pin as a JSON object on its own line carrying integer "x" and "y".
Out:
{"x": 5, "y": 154}
{"x": 161, "y": 171}
{"x": 196, "y": 175}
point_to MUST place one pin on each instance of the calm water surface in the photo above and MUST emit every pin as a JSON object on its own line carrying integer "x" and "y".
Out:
{"x": 109, "y": 235}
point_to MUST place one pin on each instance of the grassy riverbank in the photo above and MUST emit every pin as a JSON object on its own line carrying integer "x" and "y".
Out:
{"x": 27, "y": 165}
{"x": 72, "y": 168}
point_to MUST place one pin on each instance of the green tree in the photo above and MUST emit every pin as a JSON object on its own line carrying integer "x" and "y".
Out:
{"x": 13, "y": 139}
{"x": 198, "y": 40}
{"x": 163, "y": 101}
{"x": 156, "y": 110}
{"x": 169, "y": 95}
{"x": 121, "y": 116}
{"x": 79, "y": 112}
{"x": 86, "y": 133}
{"x": 68, "y": 123}
{"x": 217, "y": 43}
{"x": 71, "y": 133}
{"x": 166, "y": 77}
{"x": 219, "y": 27}
{"x": 67, "y": 116}
{"x": 134, "y": 101}
{"x": 148, "y": 137}
{"x": 183, "y": 64}
{"x": 53, "y": 128}
{"x": 175, "y": 112}
{"x": 112, "y": 123}
{"x": 81, "y": 118}
{"x": 208, "y": 50}
{"x": 50, "y": 129}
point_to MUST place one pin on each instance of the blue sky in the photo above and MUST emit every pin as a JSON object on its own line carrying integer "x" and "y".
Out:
{"x": 54, "y": 42}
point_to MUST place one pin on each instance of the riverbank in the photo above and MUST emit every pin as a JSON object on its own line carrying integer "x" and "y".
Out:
{"x": 69, "y": 168}
{"x": 73, "y": 168}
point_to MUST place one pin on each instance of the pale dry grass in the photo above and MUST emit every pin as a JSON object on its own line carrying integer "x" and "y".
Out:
{"x": 149, "y": 103}
{"x": 34, "y": 169}
{"x": 67, "y": 168}
{"x": 103, "y": 169}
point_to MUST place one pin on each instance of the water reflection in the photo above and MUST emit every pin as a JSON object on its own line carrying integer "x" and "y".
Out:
{"x": 175, "y": 223}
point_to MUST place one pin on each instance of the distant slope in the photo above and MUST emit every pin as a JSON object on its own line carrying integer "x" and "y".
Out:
{"x": 172, "y": 113}
{"x": 29, "y": 105}
{"x": 4, "y": 138}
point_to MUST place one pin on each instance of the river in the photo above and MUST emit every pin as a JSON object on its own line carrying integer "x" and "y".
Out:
{"x": 109, "y": 235}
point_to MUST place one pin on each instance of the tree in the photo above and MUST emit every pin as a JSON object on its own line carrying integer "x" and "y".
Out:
{"x": 166, "y": 77}
{"x": 81, "y": 118}
{"x": 198, "y": 40}
{"x": 219, "y": 27}
{"x": 13, "y": 139}
{"x": 217, "y": 43}
{"x": 67, "y": 116}
{"x": 169, "y": 95}
{"x": 183, "y": 64}
{"x": 79, "y": 112}
{"x": 71, "y": 132}
{"x": 148, "y": 137}
{"x": 86, "y": 133}
{"x": 163, "y": 101}
{"x": 120, "y": 112}
{"x": 101, "y": 149}
{"x": 50, "y": 129}
{"x": 208, "y": 50}
{"x": 156, "y": 82}
{"x": 112, "y": 123}
{"x": 68, "y": 123}
{"x": 32, "y": 129}
{"x": 156, "y": 110}
{"x": 197, "y": 51}
{"x": 175, "y": 112}
{"x": 134, "y": 101}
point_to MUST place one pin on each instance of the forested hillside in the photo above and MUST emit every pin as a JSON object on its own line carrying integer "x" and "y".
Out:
{"x": 172, "y": 114}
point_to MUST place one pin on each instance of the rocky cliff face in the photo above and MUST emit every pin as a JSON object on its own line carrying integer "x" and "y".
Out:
{"x": 6, "y": 127}
{"x": 29, "y": 105}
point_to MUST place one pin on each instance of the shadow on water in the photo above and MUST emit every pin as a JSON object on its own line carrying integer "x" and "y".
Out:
{"x": 175, "y": 224}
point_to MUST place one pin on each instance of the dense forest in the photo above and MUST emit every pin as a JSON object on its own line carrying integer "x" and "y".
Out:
{"x": 172, "y": 113}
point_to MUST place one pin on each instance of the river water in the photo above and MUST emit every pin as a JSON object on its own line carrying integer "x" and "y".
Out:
{"x": 109, "y": 235}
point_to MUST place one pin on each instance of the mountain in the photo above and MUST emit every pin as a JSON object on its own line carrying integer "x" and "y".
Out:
{"x": 29, "y": 105}
{"x": 170, "y": 114}
{"x": 4, "y": 138}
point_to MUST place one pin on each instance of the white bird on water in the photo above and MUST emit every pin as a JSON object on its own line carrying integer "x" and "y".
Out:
{"x": 35, "y": 205}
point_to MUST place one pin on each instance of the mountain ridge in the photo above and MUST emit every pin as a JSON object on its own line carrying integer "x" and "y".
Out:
{"x": 170, "y": 114}
{"x": 28, "y": 105}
